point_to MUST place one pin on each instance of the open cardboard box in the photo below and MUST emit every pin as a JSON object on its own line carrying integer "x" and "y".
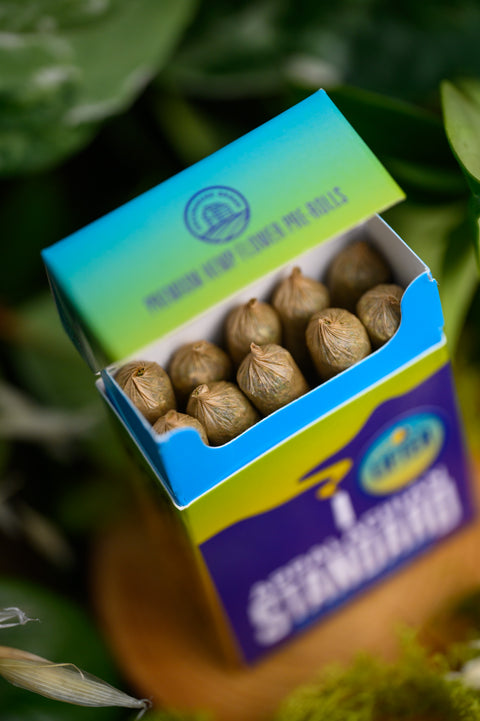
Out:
{"x": 342, "y": 486}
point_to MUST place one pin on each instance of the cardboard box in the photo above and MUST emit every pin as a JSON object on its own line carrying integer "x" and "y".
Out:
{"x": 342, "y": 486}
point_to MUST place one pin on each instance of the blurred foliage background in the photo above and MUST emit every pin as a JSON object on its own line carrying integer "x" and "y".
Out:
{"x": 101, "y": 100}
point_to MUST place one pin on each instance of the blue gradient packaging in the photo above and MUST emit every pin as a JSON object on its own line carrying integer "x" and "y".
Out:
{"x": 343, "y": 486}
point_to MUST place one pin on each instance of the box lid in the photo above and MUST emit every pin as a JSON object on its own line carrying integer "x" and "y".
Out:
{"x": 177, "y": 250}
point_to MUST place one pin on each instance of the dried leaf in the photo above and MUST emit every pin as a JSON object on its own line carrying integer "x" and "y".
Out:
{"x": 354, "y": 270}
{"x": 296, "y": 298}
{"x": 174, "y": 420}
{"x": 336, "y": 339}
{"x": 223, "y": 409}
{"x": 62, "y": 682}
{"x": 15, "y": 616}
{"x": 253, "y": 322}
{"x": 270, "y": 378}
{"x": 148, "y": 387}
{"x": 196, "y": 363}
{"x": 379, "y": 310}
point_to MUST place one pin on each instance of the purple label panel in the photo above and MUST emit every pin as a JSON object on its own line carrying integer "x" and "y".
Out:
{"x": 405, "y": 487}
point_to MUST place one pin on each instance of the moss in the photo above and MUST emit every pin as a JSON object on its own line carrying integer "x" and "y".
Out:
{"x": 415, "y": 688}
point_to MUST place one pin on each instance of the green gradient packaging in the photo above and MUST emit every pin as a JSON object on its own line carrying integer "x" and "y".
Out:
{"x": 344, "y": 485}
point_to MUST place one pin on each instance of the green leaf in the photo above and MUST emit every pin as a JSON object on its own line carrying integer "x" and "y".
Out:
{"x": 459, "y": 280}
{"x": 48, "y": 367}
{"x": 441, "y": 236}
{"x": 395, "y": 127}
{"x": 461, "y": 108}
{"x": 86, "y": 507}
{"x": 62, "y": 633}
{"x": 60, "y": 78}
{"x": 400, "y": 49}
{"x": 21, "y": 270}
{"x": 48, "y": 15}
{"x": 38, "y": 83}
{"x": 118, "y": 56}
{"x": 190, "y": 132}
{"x": 233, "y": 53}
{"x": 45, "y": 361}
{"x": 467, "y": 382}
{"x": 410, "y": 141}
{"x": 407, "y": 48}
{"x": 426, "y": 180}
{"x": 426, "y": 228}
{"x": 25, "y": 151}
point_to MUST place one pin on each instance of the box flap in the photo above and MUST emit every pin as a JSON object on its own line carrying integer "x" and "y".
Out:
{"x": 177, "y": 250}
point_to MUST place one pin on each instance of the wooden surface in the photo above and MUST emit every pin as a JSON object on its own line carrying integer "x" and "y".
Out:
{"x": 163, "y": 639}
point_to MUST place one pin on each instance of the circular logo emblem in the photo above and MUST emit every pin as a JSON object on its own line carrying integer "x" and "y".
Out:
{"x": 402, "y": 453}
{"x": 217, "y": 214}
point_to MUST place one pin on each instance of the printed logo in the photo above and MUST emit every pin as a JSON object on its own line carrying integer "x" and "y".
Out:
{"x": 217, "y": 214}
{"x": 402, "y": 453}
